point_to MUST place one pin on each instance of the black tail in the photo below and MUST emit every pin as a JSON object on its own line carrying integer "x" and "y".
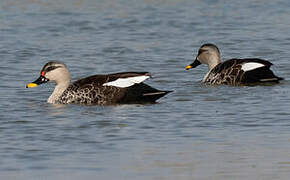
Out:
{"x": 261, "y": 75}
{"x": 153, "y": 96}
{"x": 142, "y": 93}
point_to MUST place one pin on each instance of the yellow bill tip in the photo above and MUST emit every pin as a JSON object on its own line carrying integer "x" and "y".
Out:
{"x": 31, "y": 85}
{"x": 188, "y": 67}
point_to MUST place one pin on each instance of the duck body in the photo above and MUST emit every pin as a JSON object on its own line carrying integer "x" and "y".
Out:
{"x": 117, "y": 88}
{"x": 238, "y": 72}
{"x": 249, "y": 71}
{"x": 91, "y": 90}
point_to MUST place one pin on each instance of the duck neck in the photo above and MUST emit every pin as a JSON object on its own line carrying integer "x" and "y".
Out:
{"x": 211, "y": 66}
{"x": 58, "y": 91}
{"x": 214, "y": 62}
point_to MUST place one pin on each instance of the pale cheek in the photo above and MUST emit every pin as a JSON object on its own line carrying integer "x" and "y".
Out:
{"x": 203, "y": 58}
{"x": 52, "y": 76}
{"x": 48, "y": 76}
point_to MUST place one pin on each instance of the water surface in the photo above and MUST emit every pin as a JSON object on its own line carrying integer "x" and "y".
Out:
{"x": 196, "y": 132}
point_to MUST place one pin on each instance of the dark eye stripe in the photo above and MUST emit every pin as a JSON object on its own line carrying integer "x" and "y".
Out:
{"x": 50, "y": 68}
{"x": 201, "y": 51}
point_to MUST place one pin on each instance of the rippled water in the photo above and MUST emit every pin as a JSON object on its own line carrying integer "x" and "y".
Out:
{"x": 196, "y": 132}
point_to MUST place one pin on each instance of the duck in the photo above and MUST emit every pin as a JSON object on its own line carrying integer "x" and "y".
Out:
{"x": 235, "y": 72}
{"x": 103, "y": 89}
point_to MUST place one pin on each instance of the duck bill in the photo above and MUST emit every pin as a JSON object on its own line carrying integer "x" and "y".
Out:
{"x": 193, "y": 65}
{"x": 37, "y": 82}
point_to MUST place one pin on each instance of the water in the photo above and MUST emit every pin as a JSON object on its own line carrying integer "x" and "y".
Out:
{"x": 196, "y": 132}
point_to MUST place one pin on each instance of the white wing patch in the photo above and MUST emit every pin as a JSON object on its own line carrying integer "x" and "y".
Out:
{"x": 251, "y": 65}
{"x": 127, "y": 82}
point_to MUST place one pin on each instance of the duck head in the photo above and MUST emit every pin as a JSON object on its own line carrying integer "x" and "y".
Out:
{"x": 52, "y": 71}
{"x": 207, "y": 54}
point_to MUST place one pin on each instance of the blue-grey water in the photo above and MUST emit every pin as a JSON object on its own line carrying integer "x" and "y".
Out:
{"x": 196, "y": 132}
